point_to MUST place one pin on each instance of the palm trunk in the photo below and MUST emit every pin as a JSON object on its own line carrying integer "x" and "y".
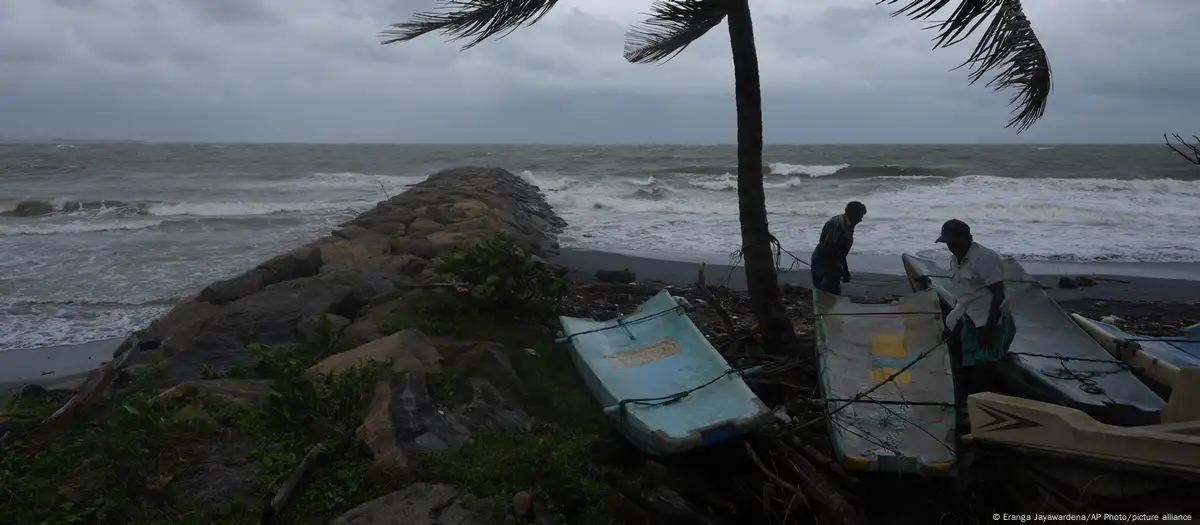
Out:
{"x": 761, "y": 278}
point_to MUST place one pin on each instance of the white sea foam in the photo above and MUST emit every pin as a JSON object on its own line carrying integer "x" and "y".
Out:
{"x": 1079, "y": 219}
{"x": 89, "y": 226}
{"x": 92, "y": 285}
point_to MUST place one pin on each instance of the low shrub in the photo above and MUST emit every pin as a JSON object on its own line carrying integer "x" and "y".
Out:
{"x": 504, "y": 277}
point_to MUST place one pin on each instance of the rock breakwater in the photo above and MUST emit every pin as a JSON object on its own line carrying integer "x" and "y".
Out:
{"x": 375, "y": 255}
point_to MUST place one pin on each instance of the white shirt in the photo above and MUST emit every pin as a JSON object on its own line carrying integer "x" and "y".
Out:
{"x": 970, "y": 279}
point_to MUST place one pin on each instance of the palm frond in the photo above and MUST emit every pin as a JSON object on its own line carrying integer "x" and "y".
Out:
{"x": 1191, "y": 152}
{"x": 1008, "y": 47}
{"x": 672, "y": 26}
{"x": 475, "y": 20}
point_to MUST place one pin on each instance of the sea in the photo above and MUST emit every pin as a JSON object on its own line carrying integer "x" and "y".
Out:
{"x": 126, "y": 230}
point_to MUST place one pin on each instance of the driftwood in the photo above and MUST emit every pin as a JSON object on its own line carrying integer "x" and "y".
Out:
{"x": 758, "y": 462}
{"x": 827, "y": 464}
{"x": 287, "y": 492}
{"x": 726, "y": 320}
{"x": 86, "y": 396}
{"x": 822, "y": 495}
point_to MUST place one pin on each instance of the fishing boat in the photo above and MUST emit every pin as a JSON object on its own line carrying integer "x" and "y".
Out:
{"x": 1158, "y": 359}
{"x": 660, "y": 381}
{"x": 1066, "y": 461}
{"x": 1051, "y": 358}
{"x": 886, "y": 383}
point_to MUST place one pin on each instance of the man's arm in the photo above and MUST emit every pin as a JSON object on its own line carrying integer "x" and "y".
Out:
{"x": 992, "y": 272}
{"x": 847, "y": 243}
{"x": 994, "y": 314}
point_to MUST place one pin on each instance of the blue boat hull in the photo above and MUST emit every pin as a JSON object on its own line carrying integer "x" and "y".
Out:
{"x": 660, "y": 381}
{"x": 1069, "y": 369}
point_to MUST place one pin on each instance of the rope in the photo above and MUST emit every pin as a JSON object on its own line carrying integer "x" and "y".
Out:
{"x": 1061, "y": 357}
{"x": 867, "y": 314}
{"x": 1086, "y": 383}
{"x": 621, "y": 323}
{"x": 672, "y": 398}
{"x": 859, "y": 397}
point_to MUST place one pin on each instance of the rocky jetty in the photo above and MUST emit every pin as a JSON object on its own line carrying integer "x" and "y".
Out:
{"x": 365, "y": 263}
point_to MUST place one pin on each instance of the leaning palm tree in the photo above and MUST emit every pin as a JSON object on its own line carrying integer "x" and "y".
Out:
{"x": 1008, "y": 47}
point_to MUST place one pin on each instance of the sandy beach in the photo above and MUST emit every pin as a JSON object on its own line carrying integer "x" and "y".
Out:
{"x": 1155, "y": 305}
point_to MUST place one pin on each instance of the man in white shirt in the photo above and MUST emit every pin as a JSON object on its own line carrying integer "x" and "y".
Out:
{"x": 980, "y": 318}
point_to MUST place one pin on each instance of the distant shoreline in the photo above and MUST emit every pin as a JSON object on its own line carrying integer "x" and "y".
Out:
{"x": 873, "y": 277}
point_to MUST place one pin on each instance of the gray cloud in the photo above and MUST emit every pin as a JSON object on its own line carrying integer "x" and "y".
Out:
{"x": 313, "y": 70}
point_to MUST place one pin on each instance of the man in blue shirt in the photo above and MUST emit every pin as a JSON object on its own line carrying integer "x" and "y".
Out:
{"x": 829, "y": 268}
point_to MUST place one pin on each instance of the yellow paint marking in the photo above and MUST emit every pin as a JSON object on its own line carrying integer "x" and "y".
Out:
{"x": 856, "y": 463}
{"x": 940, "y": 467}
{"x": 888, "y": 345}
{"x": 646, "y": 354}
{"x": 879, "y": 375}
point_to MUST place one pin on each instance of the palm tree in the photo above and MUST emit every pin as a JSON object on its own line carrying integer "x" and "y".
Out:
{"x": 1188, "y": 151}
{"x": 1008, "y": 47}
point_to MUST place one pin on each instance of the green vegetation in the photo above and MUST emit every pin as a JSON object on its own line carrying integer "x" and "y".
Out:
{"x": 503, "y": 277}
{"x": 120, "y": 467}
{"x": 142, "y": 456}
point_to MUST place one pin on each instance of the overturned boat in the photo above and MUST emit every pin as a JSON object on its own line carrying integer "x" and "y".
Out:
{"x": 1158, "y": 359}
{"x": 1051, "y": 358}
{"x": 886, "y": 384}
{"x": 660, "y": 381}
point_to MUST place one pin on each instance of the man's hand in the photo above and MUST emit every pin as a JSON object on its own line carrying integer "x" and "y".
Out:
{"x": 985, "y": 336}
{"x": 846, "y": 276}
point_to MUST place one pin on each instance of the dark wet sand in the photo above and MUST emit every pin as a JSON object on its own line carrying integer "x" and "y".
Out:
{"x": 870, "y": 281}
{"x": 1175, "y": 302}
{"x": 53, "y": 366}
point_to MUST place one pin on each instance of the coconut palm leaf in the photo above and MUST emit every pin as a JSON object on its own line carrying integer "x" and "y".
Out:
{"x": 475, "y": 20}
{"x": 672, "y": 26}
{"x": 1008, "y": 47}
{"x": 1191, "y": 152}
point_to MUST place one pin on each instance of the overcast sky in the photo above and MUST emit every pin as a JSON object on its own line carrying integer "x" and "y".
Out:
{"x": 313, "y": 70}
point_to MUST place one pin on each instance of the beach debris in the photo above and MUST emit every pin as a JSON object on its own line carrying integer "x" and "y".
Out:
{"x": 683, "y": 301}
{"x": 625, "y": 276}
{"x": 782, "y": 415}
{"x": 1111, "y": 319}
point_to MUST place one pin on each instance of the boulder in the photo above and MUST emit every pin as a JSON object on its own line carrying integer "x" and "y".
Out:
{"x": 470, "y": 209}
{"x": 232, "y": 289}
{"x": 420, "y": 504}
{"x": 413, "y": 246}
{"x": 361, "y": 332}
{"x": 296, "y": 264}
{"x": 248, "y": 391}
{"x": 422, "y": 227}
{"x": 222, "y": 474}
{"x": 356, "y": 254}
{"x": 406, "y": 415}
{"x": 308, "y": 325}
{"x": 269, "y": 317}
{"x": 404, "y": 351}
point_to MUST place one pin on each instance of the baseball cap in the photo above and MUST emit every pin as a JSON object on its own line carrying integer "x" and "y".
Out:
{"x": 954, "y": 229}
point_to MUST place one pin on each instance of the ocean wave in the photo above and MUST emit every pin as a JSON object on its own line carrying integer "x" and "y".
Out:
{"x": 77, "y": 227}
{"x": 39, "y": 208}
{"x": 108, "y": 209}
{"x": 25, "y": 302}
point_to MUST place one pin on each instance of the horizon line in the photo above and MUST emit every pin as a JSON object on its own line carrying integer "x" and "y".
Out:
{"x": 559, "y": 144}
